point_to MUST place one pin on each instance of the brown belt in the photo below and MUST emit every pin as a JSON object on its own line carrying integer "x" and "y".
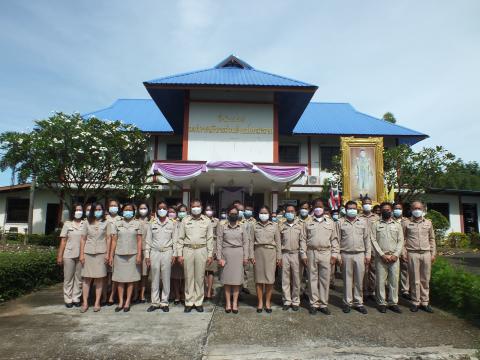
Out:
{"x": 268, "y": 246}
{"x": 195, "y": 246}
{"x": 319, "y": 248}
{"x": 290, "y": 251}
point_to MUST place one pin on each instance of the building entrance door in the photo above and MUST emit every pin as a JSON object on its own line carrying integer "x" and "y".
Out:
{"x": 470, "y": 218}
{"x": 229, "y": 194}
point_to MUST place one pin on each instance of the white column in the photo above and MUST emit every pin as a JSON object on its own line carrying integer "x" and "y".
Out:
{"x": 274, "y": 200}
{"x": 186, "y": 195}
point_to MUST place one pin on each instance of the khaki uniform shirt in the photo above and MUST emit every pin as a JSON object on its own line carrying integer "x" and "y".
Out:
{"x": 291, "y": 235}
{"x": 307, "y": 219}
{"x": 265, "y": 235}
{"x": 387, "y": 237}
{"x": 320, "y": 234}
{"x": 126, "y": 232}
{"x": 162, "y": 237}
{"x": 73, "y": 232}
{"x": 354, "y": 235}
{"x": 215, "y": 223}
{"x": 195, "y": 232}
{"x": 232, "y": 236}
{"x": 419, "y": 235}
{"x": 96, "y": 242}
{"x": 146, "y": 229}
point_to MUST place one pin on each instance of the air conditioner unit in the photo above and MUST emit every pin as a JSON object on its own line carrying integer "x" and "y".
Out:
{"x": 313, "y": 180}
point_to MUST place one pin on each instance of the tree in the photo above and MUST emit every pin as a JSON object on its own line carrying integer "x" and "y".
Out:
{"x": 459, "y": 175}
{"x": 76, "y": 157}
{"x": 388, "y": 116}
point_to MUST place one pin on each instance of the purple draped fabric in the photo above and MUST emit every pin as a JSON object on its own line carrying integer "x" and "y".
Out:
{"x": 281, "y": 173}
{"x": 229, "y": 165}
{"x": 179, "y": 171}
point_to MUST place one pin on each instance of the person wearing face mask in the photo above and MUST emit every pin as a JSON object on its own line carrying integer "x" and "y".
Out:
{"x": 112, "y": 218}
{"x": 291, "y": 235}
{"x": 195, "y": 252}
{"x": 355, "y": 250}
{"x": 178, "y": 276}
{"x": 280, "y": 214}
{"x": 304, "y": 217}
{"x": 387, "y": 240}
{"x": 143, "y": 216}
{"x": 86, "y": 213}
{"x": 160, "y": 255}
{"x": 232, "y": 253}
{"x": 377, "y": 210}
{"x": 69, "y": 256}
{"x": 420, "y": 252}
{"x": 304, "y": 212}
{"x": 94, "y": 254}
{"x": 370, "y": 217}
{"x": 126, "y": 255}
{"x": 243, "y": 222}
{"x": 319, "y": 251}
{"x": 265, "y": 254}
{"x": 211, "y": 269}
{"x": 274, "y": 217}
{"x": 404, "y": 281}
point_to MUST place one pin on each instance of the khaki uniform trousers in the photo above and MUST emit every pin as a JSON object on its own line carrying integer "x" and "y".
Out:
{"x": 72, "y": 280}
{"x": 160, "y": 270}
{"x": 387, "y": 275}
{"x": 353, "y": 271}
{"x": 195, "y": 262}
{"x": 419, "y": 270}
{"x": 404, "y": 280}
{"x": 369, "y": 282}
{"x": 291, "y": 278}
{"x": 319, "y": 269}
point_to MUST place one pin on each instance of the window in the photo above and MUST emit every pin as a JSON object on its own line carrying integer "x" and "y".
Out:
{"x": 442, "y": 208}
{"x": 174, "y": 151}
{"x": 17, "y": 210}
{"x": 327, "y": 153}
{"x": 289, "y": 154}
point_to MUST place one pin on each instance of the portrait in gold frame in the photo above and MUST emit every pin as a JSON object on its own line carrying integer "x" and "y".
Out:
{"x": 362, "y": 162}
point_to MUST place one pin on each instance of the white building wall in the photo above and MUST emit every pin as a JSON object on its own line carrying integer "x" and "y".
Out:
{"x": 454, "y": 209}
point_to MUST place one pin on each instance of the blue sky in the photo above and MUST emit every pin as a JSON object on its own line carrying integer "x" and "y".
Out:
{"x": 417, "y": 59}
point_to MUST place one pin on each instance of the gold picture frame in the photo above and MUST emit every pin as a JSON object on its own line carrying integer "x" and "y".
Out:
{"x": 362, "y": 168}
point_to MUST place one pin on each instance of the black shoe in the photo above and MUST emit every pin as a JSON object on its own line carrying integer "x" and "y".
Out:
{"x": 235, "y": 311}
{"x": 382, "y": 309}
{"x": 110, "y": 303}
{"x": 176, "y": 302}
{"x": 395, "y": 309}
{"x": 165, "y": 308}
{"x": 259, "y": 310}
{"x": 118, "y": 309}
{"x": 69, "y": 305}
{"x": 414, "y": 308}
{"x": 126, "y": 309}
{"x": 268, "y": 310}
{"x": 295, "y": 307}
{"x": 187, "y": 309}
{"x": 246, "y": 291}
{"x": 199, "y": 308}
{"x": 285, "y": 307}
{"x": 142, "y": 301}
{"x": 77, "y": 304}
{"x": 228, "y": 311}
{"x": 427, "y": 308}
{"x": 152, "y": 308}
{"x": 346, "y": 309}
{"x": 406, "y": 296}
{"x": 312, "y": 310}
{"x": 325, "y": 311}
{"x": 362, "y": 310}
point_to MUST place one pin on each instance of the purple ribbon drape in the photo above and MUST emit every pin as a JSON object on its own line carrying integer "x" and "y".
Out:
{"x": 179, "y": 171}
{"x": 229, "y": 165}
{"x": 281, "y": 173}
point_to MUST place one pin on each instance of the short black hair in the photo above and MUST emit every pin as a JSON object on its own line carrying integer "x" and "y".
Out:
{"x": 74, "y": 206}
{"x": 194, "y": 201}
{"x": 290, "y": 205}
{"x": 350, "y": 202}
{"x": 317, "y": 200}
{"x": 91, "y": 216}
{"x": 148, "y": 210}
{"x": 386, "y": 203}
{"x": 303, "y": 203}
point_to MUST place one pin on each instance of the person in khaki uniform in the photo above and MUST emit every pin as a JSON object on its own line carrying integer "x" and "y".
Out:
{"x": 126, "y": 255}
{"x": 69, "y": 256}
{"x": 211, "y": 269}
{"x": 404, "y": 282}
{"x": 195, "y": 252}
{"x": 319, "y": 251}
{"x": 304, "y": 217}
{"x": 160, "y": 252}
{"x": 249, "y": 223}
{"x": 291, "y": 235}
{"x": 144, "y": 217}
{"x": 420, "y": 253}
{"x": 232, "y": 252}
{"x": 112, "y": 218}
{"x": 178, "y": 276}
{"x": 265, "y": 255}
{"x": 369, "y": 280}
{"x": 94, "y": 254}
{"x": 387, "y": 240}
{"x": 355, "y": 250}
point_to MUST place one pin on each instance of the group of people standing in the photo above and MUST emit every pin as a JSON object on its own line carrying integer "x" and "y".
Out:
{"x": 181, "y": 251}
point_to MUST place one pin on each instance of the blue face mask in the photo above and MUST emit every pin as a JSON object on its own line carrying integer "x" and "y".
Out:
{"x": 128, "y": 214}
{"x": 289, "y": 216}
{"x": 274, "y": 219}
{"x": 98, "y": 214}
{"x": 240, "y": 214}
{"x": 248, "y": 213}
{"x": 113, "y": 209}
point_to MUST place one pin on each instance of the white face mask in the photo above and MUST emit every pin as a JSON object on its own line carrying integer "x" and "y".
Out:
{"x": 209, "y": 213}
{"x": 352, "y": 213}
{"x": 143, "y": 212}
{"x": 162, "y": 212}
{"x": 263, "y": 217}
{"x": 318, "y": 211}
{"x": 196, "y": 210}
{"x": 78, "y": 214}
{"x": 417, "y": 213}
{"x": 304, "y": 212}
{"x": 367, "y": 207}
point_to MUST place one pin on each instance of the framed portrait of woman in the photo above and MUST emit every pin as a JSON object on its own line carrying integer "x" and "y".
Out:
{"x": 362, "y": 162}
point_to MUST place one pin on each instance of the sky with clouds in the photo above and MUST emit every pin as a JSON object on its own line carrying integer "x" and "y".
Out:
{"x": 417, "y": 59}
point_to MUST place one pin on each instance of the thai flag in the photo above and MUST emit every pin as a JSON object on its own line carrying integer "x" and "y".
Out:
{"x": 334, "y": 200}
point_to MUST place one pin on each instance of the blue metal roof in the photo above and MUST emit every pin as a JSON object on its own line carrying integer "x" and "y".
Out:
{"x": 142, "y": 113}
{"x": 230, "y": 72}
{"x": 343, "y": 119}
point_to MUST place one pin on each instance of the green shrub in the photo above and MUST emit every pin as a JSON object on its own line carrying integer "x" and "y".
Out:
{"x": 458, "y": 240}
{"x": 455, "y": 290}
{"x": 44, "y": 240}
{"x": 25, "y": 271}
{"x": 474, "y": 239}
{"x": 440, "y": 225}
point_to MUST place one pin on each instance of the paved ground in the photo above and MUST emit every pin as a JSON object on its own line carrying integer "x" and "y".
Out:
{"x": 38, "y": 326}
{"x": 469, "y": 261}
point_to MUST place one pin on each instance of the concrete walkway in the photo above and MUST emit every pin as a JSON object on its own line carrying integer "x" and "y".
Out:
{"x": 38, "y": 326}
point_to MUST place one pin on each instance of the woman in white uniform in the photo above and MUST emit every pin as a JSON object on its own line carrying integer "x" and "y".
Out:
{"x": 144, "y": 216}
